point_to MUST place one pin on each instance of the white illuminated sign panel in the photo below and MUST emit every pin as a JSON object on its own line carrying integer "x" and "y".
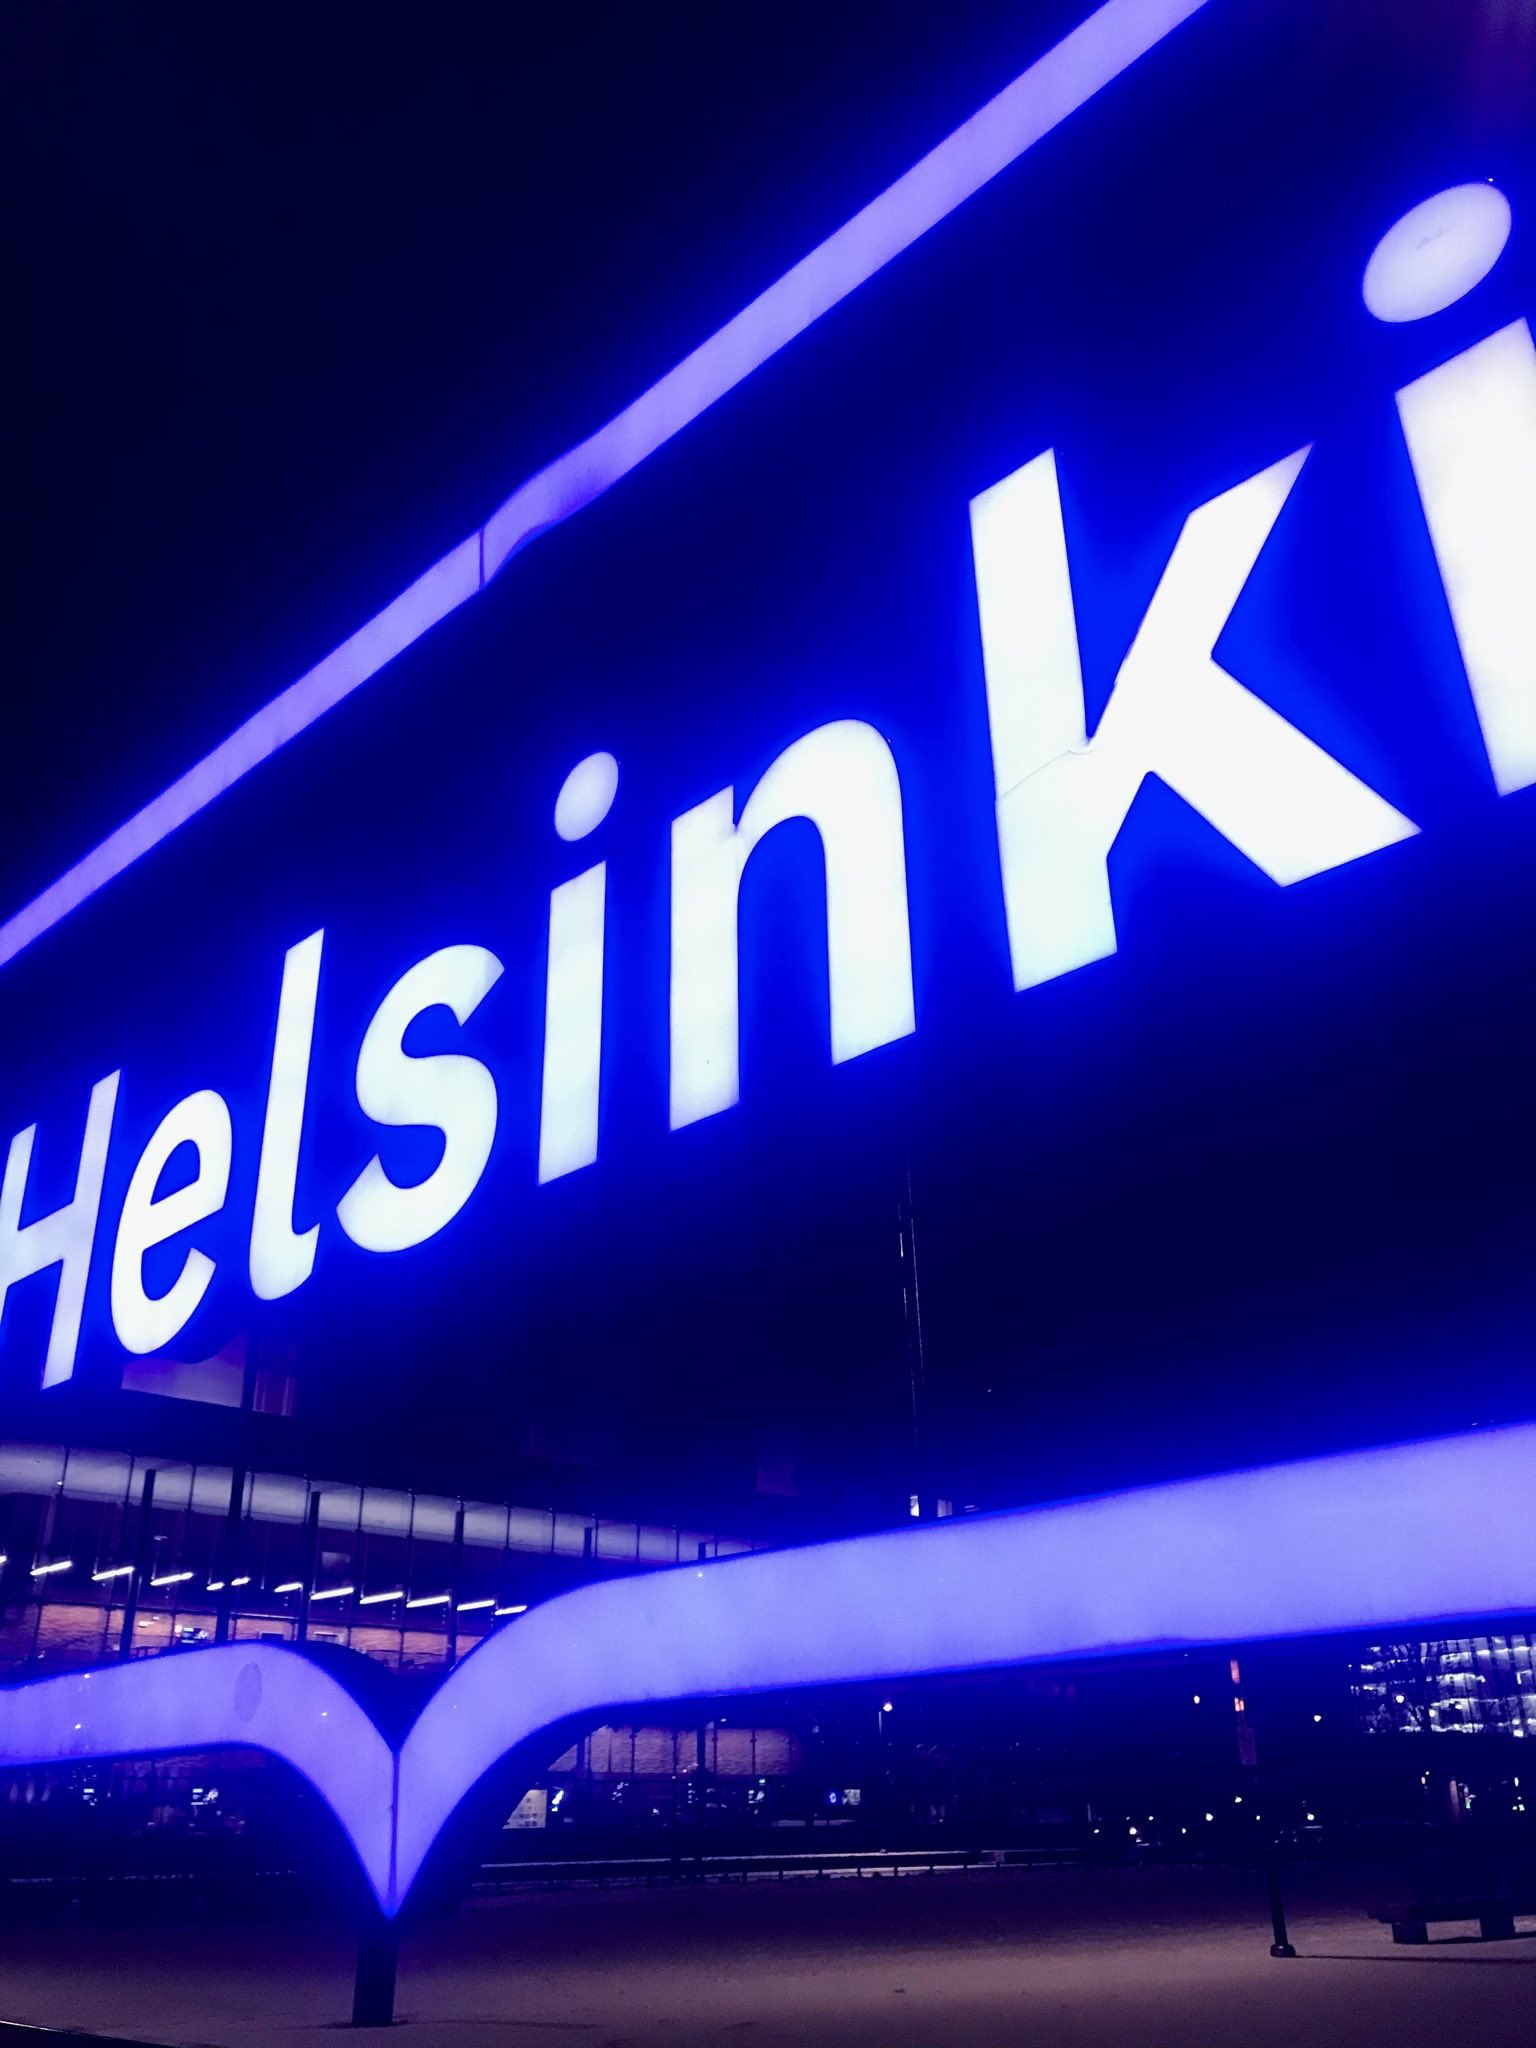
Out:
{"x": 1174, "y": 712}
{"x": 1062, "y": 793}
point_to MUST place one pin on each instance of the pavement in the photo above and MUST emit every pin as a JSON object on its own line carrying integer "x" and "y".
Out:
{"x": 1051, "y": 1959}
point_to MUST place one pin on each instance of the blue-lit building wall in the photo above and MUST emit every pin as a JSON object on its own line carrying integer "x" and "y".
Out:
{"x": 1249, "y": 1188}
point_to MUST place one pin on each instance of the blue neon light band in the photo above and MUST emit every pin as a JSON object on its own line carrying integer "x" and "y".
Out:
{"x": 1092, "y": 56}
{"x": 1369, "y": 1540}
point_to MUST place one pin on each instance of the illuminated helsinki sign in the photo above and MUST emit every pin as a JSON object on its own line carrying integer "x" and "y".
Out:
{"x": 1061, "y": 797}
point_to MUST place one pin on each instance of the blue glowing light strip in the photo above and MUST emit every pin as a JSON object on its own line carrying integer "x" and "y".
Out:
{"x": 1064, "y": 79}
{"x": 1419, "y": 1534}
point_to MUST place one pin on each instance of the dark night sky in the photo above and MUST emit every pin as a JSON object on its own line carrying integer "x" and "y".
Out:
{"x": 296, "y": 294}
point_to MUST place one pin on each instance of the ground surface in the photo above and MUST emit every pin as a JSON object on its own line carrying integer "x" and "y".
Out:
{"x": 1158, "y": 1959}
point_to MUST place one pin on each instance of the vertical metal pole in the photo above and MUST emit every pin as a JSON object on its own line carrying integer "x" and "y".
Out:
{"x": 143, "y": 1556}
{"x": 701, "y": 1749}
{"x": 38, "y": 1588}
{"x": 311, "y": 1563}
{"x": 503, "y": 1597}
{"x": 455, "y": 1582}
{"x": 229, "y": 1555}
{"x": 51, "y": 1512}
{"x": 378, "y": 1961}
{"x": 912, "y": 1320}
{"x": 1281, "y": 1945}
{"x": 359, "y": 1571}
{"x": 1248, "y": 1755}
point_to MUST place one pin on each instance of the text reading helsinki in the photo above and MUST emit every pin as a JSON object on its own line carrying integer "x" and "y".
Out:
{"x": 1061, "y": 798}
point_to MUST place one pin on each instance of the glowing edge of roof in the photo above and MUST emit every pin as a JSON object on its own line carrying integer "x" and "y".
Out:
{"x": 1366, "y": 1540}
{"x": 1055, "y": 86}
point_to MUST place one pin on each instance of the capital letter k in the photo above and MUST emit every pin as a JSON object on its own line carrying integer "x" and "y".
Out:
{"x": 1174, "y": 712}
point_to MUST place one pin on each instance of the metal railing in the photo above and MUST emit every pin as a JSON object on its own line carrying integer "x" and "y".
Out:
{"x": 597, "y": 1873}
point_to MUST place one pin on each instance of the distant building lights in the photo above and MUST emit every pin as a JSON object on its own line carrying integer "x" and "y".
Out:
{"x": 523, "y": 1609}
{"x": 378, "y": 1599}
{"x": 216, "y": 1585}
{"x": 333, "y": 1593}
{"x": 116, "y": 1571}
{"x": 243, "y": 1580}
{"x": 43, "y": 1571}
{"x": 290, "y": 1586}
{"x": 171, "y": 1579}
{"x": 474, "y": 1606}
{"x": 430, "y": 1600}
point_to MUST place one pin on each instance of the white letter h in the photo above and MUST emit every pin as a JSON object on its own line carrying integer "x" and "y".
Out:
{"x": 62, "y": 1239}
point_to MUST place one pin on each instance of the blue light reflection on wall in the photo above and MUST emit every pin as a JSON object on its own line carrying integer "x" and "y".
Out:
{"x": 1278, "y": 1132}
